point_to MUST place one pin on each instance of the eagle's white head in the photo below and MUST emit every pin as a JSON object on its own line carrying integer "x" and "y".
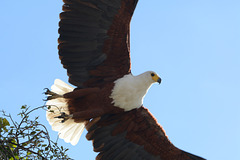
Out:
{"x": 129, "y": 91}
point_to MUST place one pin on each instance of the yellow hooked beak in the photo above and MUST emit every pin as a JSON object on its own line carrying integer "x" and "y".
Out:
{"x": 156, "y": 78}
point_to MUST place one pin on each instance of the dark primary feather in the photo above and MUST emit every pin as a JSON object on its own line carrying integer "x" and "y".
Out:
{"x": 94, "y": 40}
{"x": 116, "y": 147}
{"x": 133, "y": 135}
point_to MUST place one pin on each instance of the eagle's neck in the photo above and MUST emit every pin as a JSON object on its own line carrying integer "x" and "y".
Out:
{"x": 129, "y": 91}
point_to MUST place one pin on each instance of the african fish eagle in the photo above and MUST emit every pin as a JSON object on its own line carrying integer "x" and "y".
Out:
{"x": 108, "y": 100}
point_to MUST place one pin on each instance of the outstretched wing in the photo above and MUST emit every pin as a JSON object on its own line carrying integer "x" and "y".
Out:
{"x": 134, "y": 135}
{"x": 94, "y": 40}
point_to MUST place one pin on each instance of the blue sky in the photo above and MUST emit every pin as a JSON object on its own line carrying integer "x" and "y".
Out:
{"x": 193, "y": 45}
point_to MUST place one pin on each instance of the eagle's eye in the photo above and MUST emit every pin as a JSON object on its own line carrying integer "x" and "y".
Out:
{"x": 152, "y": 74}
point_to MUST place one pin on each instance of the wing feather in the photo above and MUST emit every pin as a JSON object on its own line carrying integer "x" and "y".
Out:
{"x": 94, "y": 40}
{"x": 133, "y": 135}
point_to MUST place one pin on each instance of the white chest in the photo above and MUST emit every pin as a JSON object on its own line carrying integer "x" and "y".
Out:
{"x": 129, "y": 91}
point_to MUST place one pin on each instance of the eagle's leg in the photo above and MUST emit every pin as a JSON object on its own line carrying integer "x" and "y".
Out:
{"x": 64, "y": 116}
{"x": 51, "y": 95}
{"x": 82, "y": 115}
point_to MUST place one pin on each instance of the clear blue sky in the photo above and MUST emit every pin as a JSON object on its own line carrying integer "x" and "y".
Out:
{"x": 193, "y": 45}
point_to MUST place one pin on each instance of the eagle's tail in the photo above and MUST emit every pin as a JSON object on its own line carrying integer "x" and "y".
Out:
{"x": 69, "y": 130}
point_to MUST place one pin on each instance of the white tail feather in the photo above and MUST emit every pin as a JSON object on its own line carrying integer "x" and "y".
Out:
{"x": 70, "y": 131}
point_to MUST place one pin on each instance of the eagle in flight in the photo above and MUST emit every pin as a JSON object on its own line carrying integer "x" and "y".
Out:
{"x": 108, "y": 100}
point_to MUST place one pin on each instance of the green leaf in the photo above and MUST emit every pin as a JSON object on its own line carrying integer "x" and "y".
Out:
{"x": 5, "y": 122}
{"x": 24, "y": 144}
{"x": 44, "y": 145}
{"x": 5, "y": 129}
{"x": 14, "y": 142}
{"x": 33, "y": 132}
{"x": 24, "y": 107}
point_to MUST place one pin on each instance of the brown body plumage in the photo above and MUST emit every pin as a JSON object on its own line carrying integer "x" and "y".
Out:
{"x": 88, "y": 103}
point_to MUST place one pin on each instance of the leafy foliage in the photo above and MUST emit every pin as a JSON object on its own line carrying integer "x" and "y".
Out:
{"x": 27, "y": 139}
